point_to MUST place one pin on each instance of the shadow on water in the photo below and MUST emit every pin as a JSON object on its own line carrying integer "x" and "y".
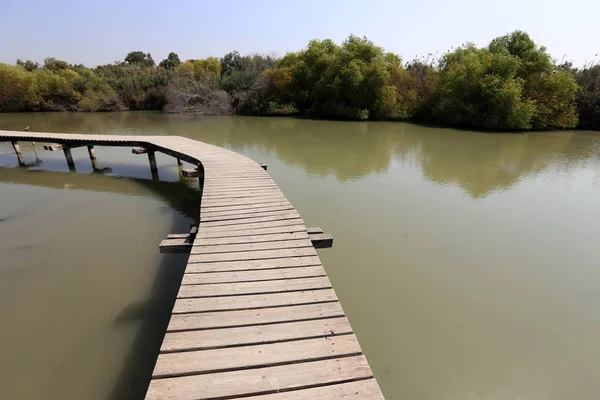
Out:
{"x": 153, "y": 313}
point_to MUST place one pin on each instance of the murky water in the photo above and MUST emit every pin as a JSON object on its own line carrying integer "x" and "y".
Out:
{"x": 466, "y": 262}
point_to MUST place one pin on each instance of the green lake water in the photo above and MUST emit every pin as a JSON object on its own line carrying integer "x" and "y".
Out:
{"x": 467, "y": 262}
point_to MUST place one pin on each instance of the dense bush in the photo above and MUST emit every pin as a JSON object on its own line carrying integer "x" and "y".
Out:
{"x": 510, "y": 84}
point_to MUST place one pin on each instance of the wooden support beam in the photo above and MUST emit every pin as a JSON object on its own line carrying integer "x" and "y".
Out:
{"x": 139, "y": 150}
{"x": 17, "y": 149}
{"x": 319, "y": 239}
{"x": 93, "y": 159}
{"x": 53, "y": 147}
{"x": 153, "y": 167}
{"x": 192, "y": 173}
{"x": 69, "y": 157}
{"x": 175, "y": 246}
{"x": 179, "y": 242}
{"x": 263, "y": 166}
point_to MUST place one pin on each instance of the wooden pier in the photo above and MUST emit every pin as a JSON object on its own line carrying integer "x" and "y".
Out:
{"x": 256, "y": 316}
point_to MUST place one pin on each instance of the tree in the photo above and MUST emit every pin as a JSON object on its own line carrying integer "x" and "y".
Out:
{"x": 53, "y": 64}
{"x": 139, "y": 57}
{"x": 171, "y": 62}
{"x": 551, "y": 88}
{"x": 208, "y": 68}
{"x": 480, "y": 88}
{"x": 28, "y": 65}
{"x": 588, "y": 96}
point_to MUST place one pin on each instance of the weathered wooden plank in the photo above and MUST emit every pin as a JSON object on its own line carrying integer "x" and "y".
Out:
{"x": 262, "y": 316}
{"x": 253, "y": 255}
{"x": 246, "y": 219}
{"x": 275, "y": 237}
{"x": 243, "y": 202}
{"x": 248, "y": 228}
{"x": 243, "y": 213}
{"x": 238, "y": 188}
{"x": 177, "y": 245}
{"x": 239, "y": 288}
{"x": 288, "y": 262}
{"x": 254, "y": 335}
{"x": 243, "y": 207}
{"x": 271, "y": 193}
{"x": 246, "y": 302}
{"x": 366, "y": 389}
{"x": 260, "y": 381}
{"x": 252, "y": 276}
{"x": 286, "y": 228}
{"x": 178, "y": 235}
{"x": 321, "y": 240}
{"x": 232, "y": 248}
{"x": 257, "y": 356}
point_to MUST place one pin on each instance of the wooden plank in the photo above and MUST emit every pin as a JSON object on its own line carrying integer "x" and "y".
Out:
{"x": 249, "y": 228}
{"x": 254, "y": 335}
{"x": 253, "y": 276}
{"x": 174, "y": 246}
{"x": 270, "y": 193}
{"x": 243, "y": 213}
{"x": 288, "y": 262}
{"x": 262, "y": 316}
{"x": 178, "y": 235}
{"x": 238, "y": 188}
{"x": 256, "y": 356}
{"x": 275, "y": 237}
{"x": 253, "y": 219}
{"x": 191, "y": 173}
{"x": 239, "y": 288}
{"x": 243, "y": 202}
{"x": 366, "y": 389}
{"x": 321, "y": 240}
{"x": 252, "y": 255}
{"x": 234, "y": 184}
{"x": 233, "y": 248}
{"x": 312, "y": 231}
{"x": 260, "y": 381}
{"x": 222, "y": 183}
{"x": 244, "y": 207}
{"x": 287, "y": 228}
{"x": 139, "y": 150}
{"x": 246, "y": 302}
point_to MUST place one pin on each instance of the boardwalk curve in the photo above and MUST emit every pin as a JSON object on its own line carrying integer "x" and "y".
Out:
{"x": 256, "y": 316}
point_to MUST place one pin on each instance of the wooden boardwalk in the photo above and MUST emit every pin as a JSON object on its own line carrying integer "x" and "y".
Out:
{"x": 256, "y": 316}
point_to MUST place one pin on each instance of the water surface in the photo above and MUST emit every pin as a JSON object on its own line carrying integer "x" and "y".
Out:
{"x": 467, "y": 262}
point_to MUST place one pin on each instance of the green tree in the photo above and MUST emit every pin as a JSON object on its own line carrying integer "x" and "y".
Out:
{"x": 588, "y": 96}
{"x": 550, "y": 88}
{"x": 139, "y": 57}
{"x": 28, "y": 65}
{"x": 208, "y": 68}
{"x": 171, "y": 62}
{"x": 480, "y": 88}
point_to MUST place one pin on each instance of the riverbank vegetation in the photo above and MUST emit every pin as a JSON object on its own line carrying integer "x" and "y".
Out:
{"x": 512, "y": 83}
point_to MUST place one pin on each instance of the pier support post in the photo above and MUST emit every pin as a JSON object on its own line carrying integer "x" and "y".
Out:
{"x": 69, "y": 158}
{"x": 93, "y": 159}
{"x": 153, "y": 167}
{"x": 17, "y": 148}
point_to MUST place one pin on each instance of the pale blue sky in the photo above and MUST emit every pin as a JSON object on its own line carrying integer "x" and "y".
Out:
{"x": 98, "y": 32}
